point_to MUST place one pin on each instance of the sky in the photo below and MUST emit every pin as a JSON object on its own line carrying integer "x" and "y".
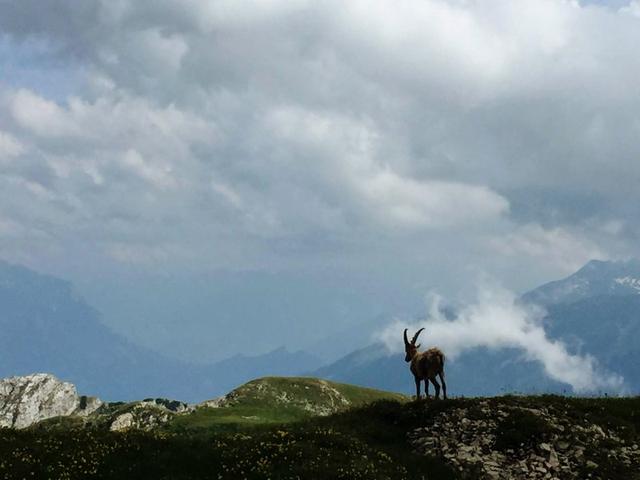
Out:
{"x": 180, "y": 160}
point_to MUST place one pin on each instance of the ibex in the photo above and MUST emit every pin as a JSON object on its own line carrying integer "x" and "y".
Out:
{"x": 425, "y": 366}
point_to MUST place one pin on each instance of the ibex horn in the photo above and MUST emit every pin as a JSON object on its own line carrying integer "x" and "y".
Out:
{"x": 415, "y": 337}
{"x": 406, "y": 342}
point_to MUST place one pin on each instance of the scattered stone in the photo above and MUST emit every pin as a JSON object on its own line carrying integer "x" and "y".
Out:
{"x": 142, "y": 416}
{"x": 468, "y": 444}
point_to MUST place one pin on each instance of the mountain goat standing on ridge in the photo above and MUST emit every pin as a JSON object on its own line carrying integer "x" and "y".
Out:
{"x": 425, "y": 366}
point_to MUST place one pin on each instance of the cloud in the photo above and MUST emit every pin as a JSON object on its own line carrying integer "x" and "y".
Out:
{"x": 496, "y": 320}
{"x": 329, "y": 126}
{"x": 554, "y": 246}
{"x": 9, "y": 146}
{"x": 632, "y": 9}
{"x": 41, "y": 116}
{"x": 407, "y": 202}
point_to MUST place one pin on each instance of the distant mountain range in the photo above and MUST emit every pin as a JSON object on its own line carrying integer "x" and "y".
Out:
{"x": 596, "y": 311}
{"x": 45, "y": 327}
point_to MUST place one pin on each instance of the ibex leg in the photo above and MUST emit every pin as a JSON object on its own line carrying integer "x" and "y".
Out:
{"x": 444, "y": 385}
{"x": 436, "y": 385}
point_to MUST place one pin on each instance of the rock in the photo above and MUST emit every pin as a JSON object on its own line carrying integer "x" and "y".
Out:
{"x": 87, "y": 406}
{"x": 142, "y": 415}
{"x": 29, "y": 399}
{"x": 213, "y": 403}
{"x": 122, "y": 422}
{"x": 174, "y": 406}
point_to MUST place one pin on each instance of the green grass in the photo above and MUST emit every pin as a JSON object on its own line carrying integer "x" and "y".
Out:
{"x": 273, "y": 400}
{"x": 234, "y": 418}
{"x": 367, "y": 442}
{"x": 270, "y": 390}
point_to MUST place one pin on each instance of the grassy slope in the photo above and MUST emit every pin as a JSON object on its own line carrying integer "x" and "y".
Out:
{"x": 280, "y": 400}
{"x": 369, "y": 441}
{"x": 363, "y": 443}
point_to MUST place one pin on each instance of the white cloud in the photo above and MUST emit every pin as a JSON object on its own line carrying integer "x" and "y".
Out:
{"x": 41, "y": 116}
{"x": 351, "y": 152}
{"x": 556, "y": 247}
{"x": 10, "y": 146}
{"x": 157, "y": 175}
{"x": 406, "y": 202}
{"x": 496, "y": 320}
{"x": 632, "y": 9}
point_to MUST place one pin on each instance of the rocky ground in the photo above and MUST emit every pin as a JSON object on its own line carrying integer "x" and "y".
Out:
{"x": 491, "y": 440}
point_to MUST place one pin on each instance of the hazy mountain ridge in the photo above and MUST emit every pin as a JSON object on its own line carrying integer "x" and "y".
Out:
{"x": 44, "y": 326}
{"x": 594, "y": 311}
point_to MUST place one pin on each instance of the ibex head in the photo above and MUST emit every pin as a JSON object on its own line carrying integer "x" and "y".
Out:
{"x": 411, "y": 348}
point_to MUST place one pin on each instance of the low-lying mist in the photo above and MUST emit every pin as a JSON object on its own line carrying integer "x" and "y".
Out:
{"x": 496, "y": 320}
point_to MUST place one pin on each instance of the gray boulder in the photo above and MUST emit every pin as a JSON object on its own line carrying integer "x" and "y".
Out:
{"x": 29, "y": 399}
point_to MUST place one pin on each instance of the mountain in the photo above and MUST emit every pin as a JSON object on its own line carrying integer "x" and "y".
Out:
{"x": 605, "y": 326}
{"x": 45, "y": 326}
{"x": 596, "y": 278}
{"x": 597, "y": 310}
{"x": 594, "y": 311}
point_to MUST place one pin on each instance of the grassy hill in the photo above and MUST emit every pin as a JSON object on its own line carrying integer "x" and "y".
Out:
{"x": 307, "y": 428}
{"x": 278, "y": 400}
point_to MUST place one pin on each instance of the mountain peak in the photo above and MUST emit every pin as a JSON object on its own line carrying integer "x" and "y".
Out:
{"x": 596, "y": 277}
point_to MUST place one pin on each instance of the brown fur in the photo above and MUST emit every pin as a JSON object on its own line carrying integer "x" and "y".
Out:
{"x": 425, "y": 366}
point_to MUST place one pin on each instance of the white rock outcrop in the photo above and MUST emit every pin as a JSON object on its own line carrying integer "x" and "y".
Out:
{"x": 142, "y": 416}
{"x": 29, "y": 399}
